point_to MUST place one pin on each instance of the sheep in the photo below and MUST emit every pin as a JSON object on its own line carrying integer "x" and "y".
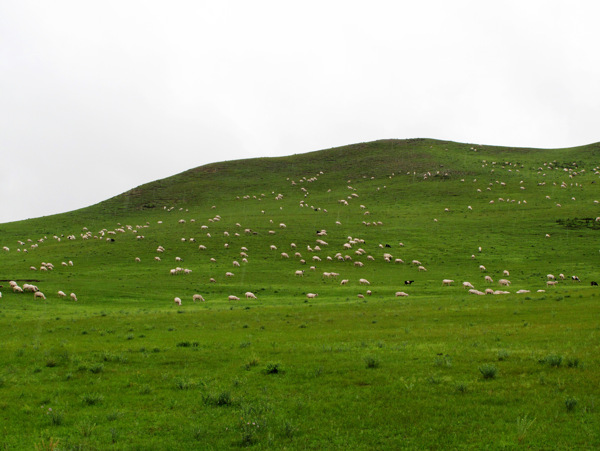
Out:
{"x": 575, "y": 279}
{"x": 236, "y": 263}
{"x": 177, "y": 301}
{"x": 233, "y": 298}
{"x": 73, "y": 296}
{"x": 39, "y": 294}
{"x": 447, "y": 282}
{"x": 561, "y": 276}
{"x": 61, "y": 294}
{"x": 229, "y": 274}
{"x": 488, "y": 279}
{"x": 408, "y": 282}
{"x": 368, "y": 292}
{"x": 482, "y": 268}
{"x": 593, "y": 283}
{"x": 359, "y": 264}
{"x": 422, "y": 268}
{"x": 250, "y": 295}
{"x": 284, "y": 255}
{"x": 467, "y": 285}
{"x": 477, "y": 292}
{"x": 311, "y": 295}
{"x": 364, "y": 282}
{"x": 401, "y": 293}
{"x": 344, "y": 281}
{"x": 504, "y": 282}
{"x": 550, "y": 276}
{"x": 551, "y": 283}
{"x": 506, "y": 272}
{"x": 197, "y": 297}
{"x": 523, "y": 291}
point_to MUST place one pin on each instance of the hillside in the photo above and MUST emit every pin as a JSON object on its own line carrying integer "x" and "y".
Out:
{"x": 125, "y": 366}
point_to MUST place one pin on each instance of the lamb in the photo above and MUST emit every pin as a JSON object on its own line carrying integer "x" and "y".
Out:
{"x": 197, "y": 297}
{"x": 39, "y": 294}
{"x": 447, "y": 282}
{"x": 177, "y": 301}
{"x": 250, "y": 295}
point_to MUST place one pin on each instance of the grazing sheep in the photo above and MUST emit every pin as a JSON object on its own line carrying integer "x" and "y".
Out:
{"x": 39, "y": 294}
{"x": 551, "y": 283}
{"x": 229, "y": 274}
{"x": 61, "y": 294}
{"x": 369, "y": 292}
{"x": 361, "y": 296}
{"x": 197, "y": 297}
{"x": 477, "y": 292}
{"x": 236, "y": 263}
{"x": 447, "y": 282}
{"x": 73, "y": 297}
{"x": 561, "y": 276}
{"x": 177, "y": 301}
{"x": 506, "y": 273}
{"x": 467, "y": 285}
{"x": 284, "y": 255}
{"x": 482, "y": 268}
{"x": 250, "y": 295}
{"x": 523, "y": 291}
{"x": 550, "y": 276}
{"x": 504, "y": 282}
{"x": 311, "y": 295}
{"x": 575, "y": 279}
{"x": 488, "y": 279}
{"x": 364, "y": 282}
{"x": 344, "y": 282}
{"x": 233, "y": 298}
{"x": 401, "y": 293}
{"x": 422, "y": 268}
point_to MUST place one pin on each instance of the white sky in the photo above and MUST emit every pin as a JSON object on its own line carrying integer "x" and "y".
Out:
{"x": 99, "y": 97}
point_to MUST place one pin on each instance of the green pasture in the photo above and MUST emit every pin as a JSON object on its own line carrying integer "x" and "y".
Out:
{"x": 124, "y": 367}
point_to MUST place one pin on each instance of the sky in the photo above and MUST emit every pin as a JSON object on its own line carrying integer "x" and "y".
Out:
{"x": 99, "y": 97}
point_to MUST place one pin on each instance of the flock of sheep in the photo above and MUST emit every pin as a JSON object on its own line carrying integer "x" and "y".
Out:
{"x": 351, "y": 251}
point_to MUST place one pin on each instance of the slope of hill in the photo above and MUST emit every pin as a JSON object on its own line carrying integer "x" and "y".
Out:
{"x": 310, "y": 370}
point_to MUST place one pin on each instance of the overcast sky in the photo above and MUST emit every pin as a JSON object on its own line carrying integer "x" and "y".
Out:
{"x": 97, "y": 97}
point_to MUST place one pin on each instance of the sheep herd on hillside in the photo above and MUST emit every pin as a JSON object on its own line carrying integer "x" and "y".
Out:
{"x": 352, "y": 250}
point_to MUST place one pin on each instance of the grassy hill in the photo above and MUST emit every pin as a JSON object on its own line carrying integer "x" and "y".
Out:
{"x": 126, "y": 368}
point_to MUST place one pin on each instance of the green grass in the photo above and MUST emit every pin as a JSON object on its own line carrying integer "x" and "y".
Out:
{"x": 126, "y": 368}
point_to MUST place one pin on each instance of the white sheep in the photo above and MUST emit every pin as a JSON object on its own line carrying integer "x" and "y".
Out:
{"x": 467, "y": 285}
{"x": 177, "y": 301}
{"x": 551, "y": 283}
{"x": 229, "y": 274}
{"x": 401, "y": 293}
{"x": 197, "y": 297}
{"x": 364, "y": 282}
{"x": 447, "y": 282}
{"x": 250, "y": 295}
{"x": 61, "y": 294}
{"x": 422, "y": 268}
{"x": 504, "y": 282}
{"x": 39, "y": 294}
{"x": 344, "y": 281}
{"x": 506, "y": 272}
{"x": 488, "y": 279}
{"x": 482, "y": 268}
{"x": 233, "y": 298}
{"x": 311, "y": 295}
{"x": 73, "y": 296}
{"x": 299, "y": 273}
{"x": 550, "y": 276}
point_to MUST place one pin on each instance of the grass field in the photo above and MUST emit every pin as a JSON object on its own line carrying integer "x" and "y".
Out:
{"x": 124, "y": 367}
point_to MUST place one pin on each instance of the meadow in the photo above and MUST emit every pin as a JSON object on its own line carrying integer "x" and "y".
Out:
{"x": 124, "y": 367}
